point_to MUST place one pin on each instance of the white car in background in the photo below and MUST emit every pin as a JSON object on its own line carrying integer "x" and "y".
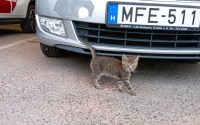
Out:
{"x": 19, "y": 12}
{"x": 159, "y": 29}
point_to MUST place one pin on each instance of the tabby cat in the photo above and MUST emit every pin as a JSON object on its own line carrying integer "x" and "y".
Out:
{"x": 112, "y": 67}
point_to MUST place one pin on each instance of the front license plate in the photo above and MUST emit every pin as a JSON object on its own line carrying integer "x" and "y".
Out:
{"x": 157, "y": 17}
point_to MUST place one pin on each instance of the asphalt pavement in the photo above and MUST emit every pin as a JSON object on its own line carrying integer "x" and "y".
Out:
{"x": 37, "y": 90}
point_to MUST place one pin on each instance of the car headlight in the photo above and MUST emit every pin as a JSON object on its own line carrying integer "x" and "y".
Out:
{"x": 54, "y": 26}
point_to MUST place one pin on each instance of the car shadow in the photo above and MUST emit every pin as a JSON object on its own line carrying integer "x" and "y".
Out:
{"x": 10, "y": 29}
{"x": 146, "y": 66}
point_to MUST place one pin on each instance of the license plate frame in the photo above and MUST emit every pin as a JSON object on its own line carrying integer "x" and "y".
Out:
{"x": 149, "y": 26}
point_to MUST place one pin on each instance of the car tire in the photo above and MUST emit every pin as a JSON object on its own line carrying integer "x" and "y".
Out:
{"x": 29, "y": 25}
{"x": 50, "y": 51}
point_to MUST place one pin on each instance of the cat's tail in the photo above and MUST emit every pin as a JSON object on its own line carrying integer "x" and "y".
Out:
{"x": 89, "y": 47}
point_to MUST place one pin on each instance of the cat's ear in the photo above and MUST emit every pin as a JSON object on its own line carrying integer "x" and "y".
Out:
{"x": 124, "y": 57}
{"x": 137, "y": 57}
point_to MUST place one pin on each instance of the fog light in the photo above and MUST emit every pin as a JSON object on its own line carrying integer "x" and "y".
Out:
{"x": 83, "y": 12}
{"x": 54, "y": 26}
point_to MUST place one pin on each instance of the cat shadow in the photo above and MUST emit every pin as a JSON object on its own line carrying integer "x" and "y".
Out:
{"x": 78, "y": 62}
{"x": 81, "y": 63}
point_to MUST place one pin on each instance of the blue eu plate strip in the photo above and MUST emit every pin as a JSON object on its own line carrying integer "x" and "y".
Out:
{"x": 112, "y": 13}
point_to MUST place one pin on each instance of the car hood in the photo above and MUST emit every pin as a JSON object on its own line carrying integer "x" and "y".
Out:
{"x": 96, "y": 9}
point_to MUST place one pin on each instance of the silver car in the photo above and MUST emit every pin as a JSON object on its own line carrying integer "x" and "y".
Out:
{"x": 152, "y": 29}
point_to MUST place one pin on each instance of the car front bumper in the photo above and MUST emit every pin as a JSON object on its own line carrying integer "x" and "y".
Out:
{"x": 158, "y": 48}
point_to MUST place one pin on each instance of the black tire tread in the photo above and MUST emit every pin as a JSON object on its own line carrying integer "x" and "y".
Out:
{"x": 25, "y": 26}
{"x": 50, "y": 51}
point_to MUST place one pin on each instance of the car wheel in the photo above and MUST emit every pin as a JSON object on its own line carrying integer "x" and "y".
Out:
{"x": 29, "y": 26}
{"x": 50, "y": 51}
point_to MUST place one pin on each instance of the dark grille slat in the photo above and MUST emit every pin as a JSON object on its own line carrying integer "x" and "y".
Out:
{"x": 141, "y": 40}
{"x": 163, "y": 56}
{"x": 199, "y": 42}
{"x": 101, "y": 34}
{"x": 99, "y": 27}
{"x": 151, "y": 38}
{"x": 125, "y": 38}
{"x": 176, "y": 39}
{"x": 153, "y": 33}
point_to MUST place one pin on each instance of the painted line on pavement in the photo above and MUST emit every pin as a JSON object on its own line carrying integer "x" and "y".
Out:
{"x": 16, "y": 43}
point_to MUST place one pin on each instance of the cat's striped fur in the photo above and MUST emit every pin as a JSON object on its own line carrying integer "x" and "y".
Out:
{"x": 112, "y": 67}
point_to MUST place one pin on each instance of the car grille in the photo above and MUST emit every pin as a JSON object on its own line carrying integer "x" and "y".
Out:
{"x": 137, "y": 38}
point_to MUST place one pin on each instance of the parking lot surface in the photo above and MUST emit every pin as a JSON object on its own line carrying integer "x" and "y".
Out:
{"x": 36, "y": 90}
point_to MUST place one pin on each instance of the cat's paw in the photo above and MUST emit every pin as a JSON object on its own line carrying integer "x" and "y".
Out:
{"x": 98, "y": 87}
{"x": 121, "y": 90}
{"x": 132, "y": 93}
